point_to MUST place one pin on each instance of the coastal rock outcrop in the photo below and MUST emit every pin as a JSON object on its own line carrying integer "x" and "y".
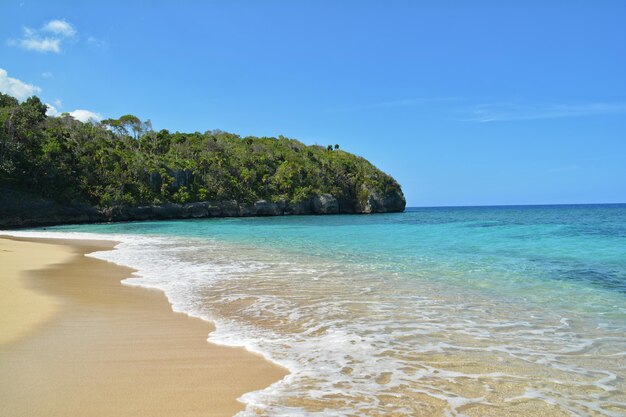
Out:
{"x": 377, "y": 203}
{"x": 22, "y": 209}
{"x": 325, "y": 204}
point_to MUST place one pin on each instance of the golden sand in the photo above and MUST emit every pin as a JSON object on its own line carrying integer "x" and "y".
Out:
{"x": 76, "y": 342}
{"x": 21, "y": 308}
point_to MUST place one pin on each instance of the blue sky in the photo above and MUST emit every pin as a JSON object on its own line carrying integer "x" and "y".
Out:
{"x": 465, "y": 103}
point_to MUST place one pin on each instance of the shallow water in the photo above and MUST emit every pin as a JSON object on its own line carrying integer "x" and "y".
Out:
{"x": 443, "y": 311}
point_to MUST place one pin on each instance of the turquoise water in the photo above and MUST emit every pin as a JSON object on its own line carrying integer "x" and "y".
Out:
{"x": 435, "y": 311}
{"x": 572, "y": 247}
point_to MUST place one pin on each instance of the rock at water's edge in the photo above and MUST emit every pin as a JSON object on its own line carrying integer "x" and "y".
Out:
{"x": 21, "y": 209}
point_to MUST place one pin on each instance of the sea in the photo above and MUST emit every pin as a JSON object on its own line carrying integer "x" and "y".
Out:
{"x": 464, "y": 311}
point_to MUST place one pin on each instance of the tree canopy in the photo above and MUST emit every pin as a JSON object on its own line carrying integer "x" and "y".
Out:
{"x": 125, "y": 162}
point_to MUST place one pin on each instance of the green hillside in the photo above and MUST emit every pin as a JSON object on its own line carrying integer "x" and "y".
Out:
{"x": 124, "y": 162}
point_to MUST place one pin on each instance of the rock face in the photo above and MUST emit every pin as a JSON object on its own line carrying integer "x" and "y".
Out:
{"x": 324, "y": 204}
{"x": 376, "y": 203}
{"x": 20, "y": 209}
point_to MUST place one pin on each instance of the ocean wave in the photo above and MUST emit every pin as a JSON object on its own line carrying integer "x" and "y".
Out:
{"x": 357, "y": 340}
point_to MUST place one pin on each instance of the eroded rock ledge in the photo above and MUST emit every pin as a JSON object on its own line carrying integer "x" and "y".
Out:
{"x": 24, "y": 210}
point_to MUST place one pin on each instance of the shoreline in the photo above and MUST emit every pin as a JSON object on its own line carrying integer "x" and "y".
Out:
{"x": 111, "y": 349}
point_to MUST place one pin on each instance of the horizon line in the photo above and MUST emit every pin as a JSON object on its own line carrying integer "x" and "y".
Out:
{"x": 517, "y": 205}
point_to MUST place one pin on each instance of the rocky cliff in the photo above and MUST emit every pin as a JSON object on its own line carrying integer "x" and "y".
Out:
{"x": 22, "y": 209}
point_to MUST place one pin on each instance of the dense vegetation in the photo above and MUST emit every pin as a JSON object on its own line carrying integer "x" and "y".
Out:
{"x": 125, "y": 162}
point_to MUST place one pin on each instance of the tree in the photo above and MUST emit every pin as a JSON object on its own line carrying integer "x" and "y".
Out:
{"x": 8, "y": 145}
{"x": 8, "y": 101}
{"x": 127, "y": 125}
{"x": 24, "y": 123}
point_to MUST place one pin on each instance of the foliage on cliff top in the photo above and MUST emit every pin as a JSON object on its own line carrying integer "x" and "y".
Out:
{"x": 124, "y": 162}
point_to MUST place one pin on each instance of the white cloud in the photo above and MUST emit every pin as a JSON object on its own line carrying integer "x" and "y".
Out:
{"x": 38, "y": 44}
{"x": 399, "y": 103}
{"x": 91, "y": 40}
{"x": 22, "y": 90}
{"x": 52, "y": 111}
{"x": 47, "y": 74}
{"x": 78, "y": 114}
{"x": 47, "y": 39}
{"x": 15, "y": 87}
{"x": 501, "y": 112}
{"x": 85, "y": 115}
{"x": 59, "y": 27}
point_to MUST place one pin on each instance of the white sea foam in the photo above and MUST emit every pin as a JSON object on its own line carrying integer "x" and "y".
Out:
{"x": 357, "y": 341}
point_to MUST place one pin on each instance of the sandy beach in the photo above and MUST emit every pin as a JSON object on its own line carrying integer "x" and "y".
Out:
{"x": 74, "y": 341}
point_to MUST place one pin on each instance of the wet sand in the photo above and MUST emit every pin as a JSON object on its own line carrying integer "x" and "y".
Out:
{"x": 76, "y": 342}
